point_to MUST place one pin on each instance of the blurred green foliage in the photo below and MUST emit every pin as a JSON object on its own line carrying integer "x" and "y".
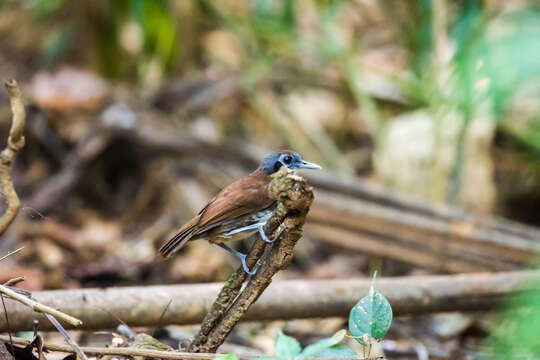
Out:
{"x": 288, "y": 348}
{"x": 489, "y": 51}
{"x": 128, "y": 35}
{"x": 152, "y": 21}
{"x": 517, "y": 332}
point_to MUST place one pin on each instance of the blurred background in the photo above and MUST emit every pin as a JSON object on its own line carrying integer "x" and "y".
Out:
{"x": 140, "y": 111}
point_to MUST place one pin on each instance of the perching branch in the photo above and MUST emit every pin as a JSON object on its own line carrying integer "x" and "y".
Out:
{"x": 294, "y": 198}
{"x": 7, "y": 156}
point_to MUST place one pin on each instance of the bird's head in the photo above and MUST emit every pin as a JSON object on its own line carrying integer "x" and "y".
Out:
{"x": 274, "y": 161}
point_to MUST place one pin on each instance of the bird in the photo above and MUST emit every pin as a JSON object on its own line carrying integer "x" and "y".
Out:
{"x": 239, "y": 210}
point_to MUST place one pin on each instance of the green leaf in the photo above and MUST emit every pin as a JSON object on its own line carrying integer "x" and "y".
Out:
{"x": 287, "y": 348}
{"x": 322, "y": 345}
{"x": 338, "y": 351}
{"x": 371, "y": 316}
{"x": 268, "y": 358}
{"x": 227, "y": 357}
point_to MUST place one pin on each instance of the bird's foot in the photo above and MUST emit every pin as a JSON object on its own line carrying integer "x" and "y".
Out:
{"x": 242, "y": 258}
{"x": 263, "y": 235}
{"x": 245, "y": 267}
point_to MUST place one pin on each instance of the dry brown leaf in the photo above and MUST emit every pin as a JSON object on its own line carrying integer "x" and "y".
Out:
{"x": 69, "y": 89}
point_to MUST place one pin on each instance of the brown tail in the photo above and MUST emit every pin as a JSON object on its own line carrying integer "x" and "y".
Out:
{"x": 176, "y": 242}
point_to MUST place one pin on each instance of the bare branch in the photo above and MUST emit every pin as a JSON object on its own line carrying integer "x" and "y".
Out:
{"x": 11, "y": 253}
{"x": 7, "y": 156}
{"x": 14, "y": 281}
{"x": 155, "y": 354}
{"x": 19, "y": 115}
{"x": 67, "y": 337}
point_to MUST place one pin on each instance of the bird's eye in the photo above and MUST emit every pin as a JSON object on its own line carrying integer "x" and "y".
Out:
{"x": 287, "y": 159}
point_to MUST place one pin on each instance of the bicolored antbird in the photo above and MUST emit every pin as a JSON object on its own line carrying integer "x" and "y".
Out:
{"x": 239, "y": 210}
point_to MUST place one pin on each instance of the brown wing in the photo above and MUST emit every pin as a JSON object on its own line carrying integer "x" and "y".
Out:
{"x": 244, "y": 196}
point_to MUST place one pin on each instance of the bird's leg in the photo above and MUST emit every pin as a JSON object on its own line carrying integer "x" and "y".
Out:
{"x": 243, "y": 228}
{"x": 242, "y": 258}
{"x": 258, "y": 226}
{"x": 263, "y": 235}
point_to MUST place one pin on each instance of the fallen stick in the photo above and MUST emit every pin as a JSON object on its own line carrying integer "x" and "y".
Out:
{"x": 11, "y": 253}
{"x": 362, "y": 189}
{"x": 388, "y": 246}
{"x": 292, "y": 299}
{"x": 466, "y": 241}
{"x": 121, "y": 351}
{"x": 130, "y": 351}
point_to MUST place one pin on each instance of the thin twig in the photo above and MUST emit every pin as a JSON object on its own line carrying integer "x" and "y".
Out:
{"x": 39, "y": 307}
{"x": 66, "y": 336}
{"x": 11, "y": 253}
{"x": 158, "y": 325}
{"x": 7, "y": 156}
{"x": 7, "y": 320}
{"x": 14, "y": 281}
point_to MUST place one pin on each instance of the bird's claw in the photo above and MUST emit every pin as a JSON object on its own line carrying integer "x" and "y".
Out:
{"x": 246, "y": 268}
{"x": 263, "y": 235}
{"x": 242, "y": 258}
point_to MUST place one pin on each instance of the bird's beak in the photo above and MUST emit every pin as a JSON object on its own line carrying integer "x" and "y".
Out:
{"x": 308, "y": 165}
